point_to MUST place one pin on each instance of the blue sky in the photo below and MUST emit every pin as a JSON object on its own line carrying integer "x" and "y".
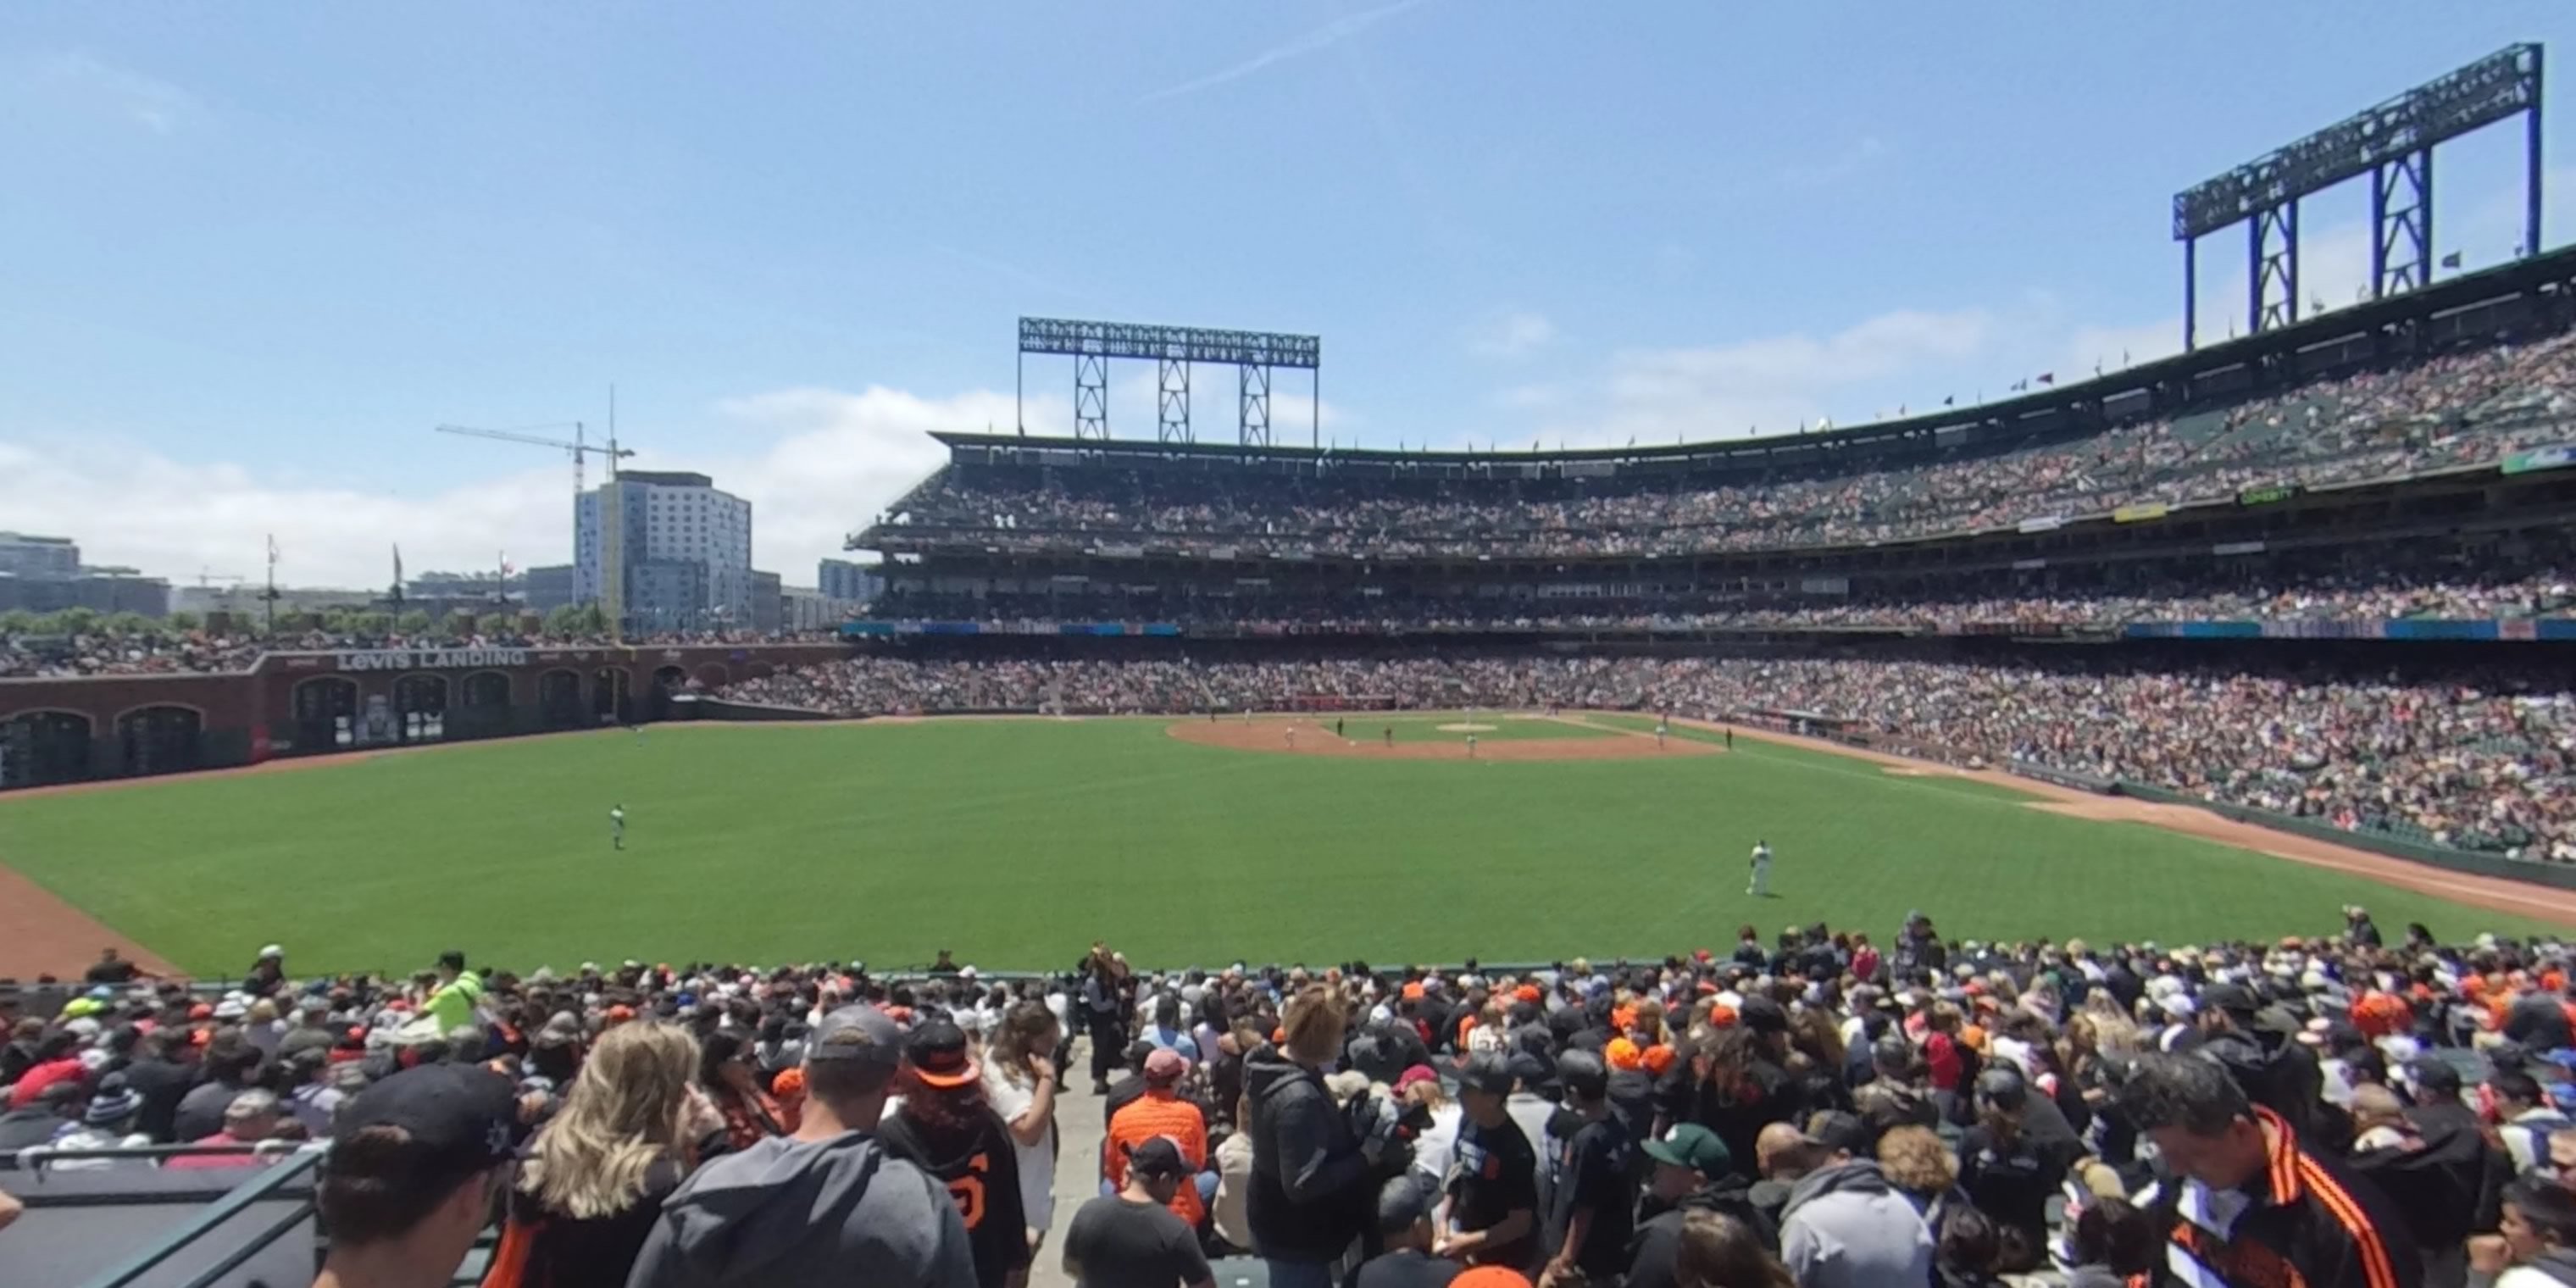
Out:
{"x": 250, "y": 254}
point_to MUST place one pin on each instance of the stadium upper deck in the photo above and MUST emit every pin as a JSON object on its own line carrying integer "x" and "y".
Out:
{"x": 2476, "y": 375}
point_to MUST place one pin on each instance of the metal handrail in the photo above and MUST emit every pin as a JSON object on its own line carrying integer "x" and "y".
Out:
{"x": 213, "y": 1218}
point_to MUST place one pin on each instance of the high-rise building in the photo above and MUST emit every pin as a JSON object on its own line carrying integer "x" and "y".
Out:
{"x": 840, "y": 579}
{"x": 663, "y": 550}
{"x": 48, "y": 558}
{"x": 766, "y": 606}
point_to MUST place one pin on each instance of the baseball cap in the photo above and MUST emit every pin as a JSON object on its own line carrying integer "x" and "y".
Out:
{"x": 2436, "y": 1075}
{"x": 1416, "y": 1076}
{"x": 1837, "y": 1130}
{"x": 1762, "y": 1015}
{"x": 1157, "y": 1157}
{"x": 1583, "y": 1074}
{"x": 454, "y": 1120}
{"x": 2235, "y": 999}
{"x": 937, "y": 1050}
{"x": 1166, "y": 1065}
{"x": 856, "y": 1032}
{"x": 1693, "y": 1146}
{"x": 1490, "y": 1277}
{"x": 1486, "y": 1073}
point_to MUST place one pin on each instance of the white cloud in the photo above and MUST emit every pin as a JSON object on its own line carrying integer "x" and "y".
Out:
{"x": 826, "y": 462}
{"x": 1777, "y": 382}
{"x": 1320, "y": 38}
{"x": 1512, "y": 333}
{"x": 79, "y": 81}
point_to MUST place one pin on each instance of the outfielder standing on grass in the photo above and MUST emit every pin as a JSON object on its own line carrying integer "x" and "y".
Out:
{"x": 617, "y": 827}
{"x": 1761, "y": 887}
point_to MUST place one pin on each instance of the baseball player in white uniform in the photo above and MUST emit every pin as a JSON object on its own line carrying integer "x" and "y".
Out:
{"x": 1761, "y": 870}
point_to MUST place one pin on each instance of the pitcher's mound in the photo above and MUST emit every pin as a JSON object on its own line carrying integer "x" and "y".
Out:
{"x": 1315, "y": 738}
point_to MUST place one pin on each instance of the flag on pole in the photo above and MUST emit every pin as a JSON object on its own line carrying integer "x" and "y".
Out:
{"x": 1947, "y": 399}
{"x": 2048, "y": 377}
{"x": 398, "y": 577}
{"x": 2451, "y": 260}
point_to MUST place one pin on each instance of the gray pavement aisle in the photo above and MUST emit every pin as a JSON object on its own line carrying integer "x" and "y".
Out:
{"x": 1080, "y": 1128}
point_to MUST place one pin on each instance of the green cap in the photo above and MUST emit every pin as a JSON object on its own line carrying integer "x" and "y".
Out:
{"x": 1693, "y": 1146}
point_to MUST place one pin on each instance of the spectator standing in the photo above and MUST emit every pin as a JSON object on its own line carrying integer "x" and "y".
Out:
{"x": 1161, "y": 1112}
{"x": 943, "y": 1126}
{"x": 1311, "y": 1193}
{"x": 452, "y": 1003}
{"x": 1131, "y": 1239}
{"x": 2008, "y": 1168}
{"x": 1692, "y": 1175}
{"x": 1021, "y": 1080}
{"x": 595, "y": 1178}
{"x": 2248, "y": 1205}
{"x": 1492, "y": 1188}
{"x": 1104, "y": 1009}
{"x": 827, "y": 1206}
{"x": 1844, "y": 1226}
{"x": 411, "y": 1174}
{"x": 1592, "y": 1192}
{"x": 110, "y": 968}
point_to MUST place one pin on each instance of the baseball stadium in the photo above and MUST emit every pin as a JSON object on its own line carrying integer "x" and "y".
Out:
{"x": 2181, "y": 679}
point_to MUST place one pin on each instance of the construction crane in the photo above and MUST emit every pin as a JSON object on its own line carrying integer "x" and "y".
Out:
{"x": 577, "y": 446}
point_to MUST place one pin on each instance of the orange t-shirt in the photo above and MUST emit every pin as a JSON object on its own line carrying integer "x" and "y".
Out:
{"x": 1161, "y": 1113}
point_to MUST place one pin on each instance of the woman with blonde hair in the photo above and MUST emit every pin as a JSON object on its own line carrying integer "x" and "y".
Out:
{"x": 593, "y": 1183}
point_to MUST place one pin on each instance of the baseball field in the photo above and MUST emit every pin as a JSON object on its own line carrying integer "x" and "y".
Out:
{"x": 1018, "y": 842}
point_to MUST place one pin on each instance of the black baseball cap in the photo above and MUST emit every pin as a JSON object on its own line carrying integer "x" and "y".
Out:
{"x": 937, "y": 1050}
{"x": 1583, "y": 1074}
{"x": 1486, "y": 1073}
{"x": 1762, "y": 1015}
{"x": 1837, "y": 1130}
{"x": 1157, "y": 1157}
{"x": 454, "y": 1119}
{"x": 2235, "y": 999}
{"x": 1402, "y": 1201}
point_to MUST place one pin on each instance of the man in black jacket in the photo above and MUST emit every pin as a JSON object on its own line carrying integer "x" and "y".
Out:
{"x": 1692, "y": 1174}
{"x": 1312, "y": 1191}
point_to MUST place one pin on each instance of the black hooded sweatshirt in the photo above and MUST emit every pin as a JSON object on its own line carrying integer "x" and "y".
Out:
{"x": 1310, "y": 1195}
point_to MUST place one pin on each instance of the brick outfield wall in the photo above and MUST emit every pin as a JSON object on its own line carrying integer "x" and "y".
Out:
{"x": 314, "y": 703}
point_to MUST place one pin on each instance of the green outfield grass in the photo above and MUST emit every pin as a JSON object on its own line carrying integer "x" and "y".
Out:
{"x": 1018, "y": 843}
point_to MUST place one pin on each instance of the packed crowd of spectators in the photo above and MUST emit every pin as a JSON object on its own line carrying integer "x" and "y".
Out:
{"x": 2391, "y": 591}
{"x": 2459, "y": 762}
{"x": 1812, "y": 1110}
{"x": 2462, "y": 408}
{"x": 159, "y": 650}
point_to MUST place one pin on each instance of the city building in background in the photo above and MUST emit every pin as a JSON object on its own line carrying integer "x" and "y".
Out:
{"x": 46, "y": 575}
{"x": 765, "y": 608}
{"x": 664, "y": 550}
{"x": 807, "y": 608}
{"x": 48, "y": 558}
{"x": 842, "y": 580}
{"x": 245, "y": 600}
{"x": 551, "y": 587}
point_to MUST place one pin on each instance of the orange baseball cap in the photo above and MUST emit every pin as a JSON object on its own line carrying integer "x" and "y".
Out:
{"x": 1413, "y": 991}
{"x": 1527, "y": 993}
{"x": 1721, "y": 1016}
{"x": 1490, "y": 1277}
{"x": 1622, "y": 1053}
{"x": 1659, "y": 1058}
